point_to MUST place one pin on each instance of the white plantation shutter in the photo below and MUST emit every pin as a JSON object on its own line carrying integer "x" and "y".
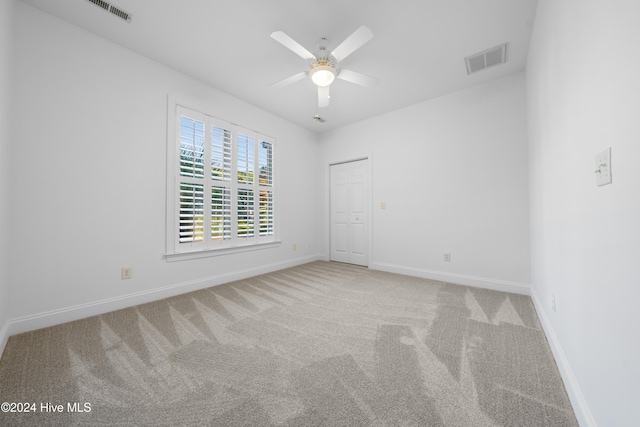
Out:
{"x": 220, "y": 153}
{"x": 265, "y": 165}
{"x": 245, "y": 182}
{"x": 192, "y": 138}
{"x": 246, "y": 159}
{"x": 221, "y": 162}
{"x": 191, "y": 219}
{"x": 191, "y": 183}
{"x": 265, "y": 184}
{"x": 246, "y": 222}
{"x": 224, "y": 184}
{"x": 220, "y": 213}
{"x": 266, "y": 213}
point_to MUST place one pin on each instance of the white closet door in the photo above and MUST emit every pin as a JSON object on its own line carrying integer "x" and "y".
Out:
{"x": 349, "y": 213}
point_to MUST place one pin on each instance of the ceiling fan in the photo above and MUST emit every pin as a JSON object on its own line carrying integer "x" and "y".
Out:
{"x": 323, "y": 67}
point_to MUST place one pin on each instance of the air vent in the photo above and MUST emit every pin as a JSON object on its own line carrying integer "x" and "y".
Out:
{"x": 488, "y": 58}
{"x": 113, "y": 9}
{"x": 120, "y": 13}
{"x": 102, "y": 4}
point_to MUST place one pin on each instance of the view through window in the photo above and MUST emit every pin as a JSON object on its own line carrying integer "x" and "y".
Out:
{"x": 224, "y": 186}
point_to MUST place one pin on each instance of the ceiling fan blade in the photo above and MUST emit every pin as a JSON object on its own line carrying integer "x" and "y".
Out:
{"x": 323, "y": 96}
{"x": 291, "y": 44}
{"x": 296, "y": 77}
{"x": 357, "y": 78}
{"x": 353, "y": 42}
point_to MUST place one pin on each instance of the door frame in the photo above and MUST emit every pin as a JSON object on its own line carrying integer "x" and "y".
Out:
{"x": 369, "y": 191}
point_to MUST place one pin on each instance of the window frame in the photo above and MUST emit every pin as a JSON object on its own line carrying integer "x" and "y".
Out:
{"x": 174, "y": 250}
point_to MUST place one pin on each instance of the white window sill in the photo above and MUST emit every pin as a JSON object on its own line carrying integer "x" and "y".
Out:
{"x": 183, "y": 256}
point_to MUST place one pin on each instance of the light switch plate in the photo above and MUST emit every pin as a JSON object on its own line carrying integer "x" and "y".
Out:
{"x": 603, "y": 167}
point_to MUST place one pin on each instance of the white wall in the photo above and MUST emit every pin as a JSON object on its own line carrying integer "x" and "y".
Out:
{"x": 583, "y": 91}
{"x": 453, "y": 174}
{"x": 6, "y": 55}
{"x": 88, "y": 178}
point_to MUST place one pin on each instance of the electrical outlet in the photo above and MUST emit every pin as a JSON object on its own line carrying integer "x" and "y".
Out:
{"x": 295, "y": 246}
{"x": 554, "y": 306}
{"x": 126, "y": 272}
{"x": 447, "y": 256}
{"x": 383, "y": 205}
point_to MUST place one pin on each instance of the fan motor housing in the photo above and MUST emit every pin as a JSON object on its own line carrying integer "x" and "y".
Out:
{"x": 324, "y": 61}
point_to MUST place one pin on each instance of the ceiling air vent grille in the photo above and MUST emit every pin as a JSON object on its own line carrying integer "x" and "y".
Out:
{"x": 113, "y": 9}
{"x": 485, "y": 59}
{"x": 120, "y": 13}
{"x": 102, "y": 4}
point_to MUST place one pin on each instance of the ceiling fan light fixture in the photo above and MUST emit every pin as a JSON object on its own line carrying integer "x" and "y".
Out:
{"x": 322, "y": 75}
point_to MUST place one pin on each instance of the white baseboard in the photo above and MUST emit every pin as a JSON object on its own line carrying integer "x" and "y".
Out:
{"x": 68, "y": 314}
{"x": 580, "y": 407}
{"x": 460, "y": 279}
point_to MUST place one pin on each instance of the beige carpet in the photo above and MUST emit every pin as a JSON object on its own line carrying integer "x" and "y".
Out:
{"x": 323, "y": 344}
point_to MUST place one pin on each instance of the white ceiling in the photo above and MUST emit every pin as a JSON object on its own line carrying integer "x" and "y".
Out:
{"x": 417, "y": 52}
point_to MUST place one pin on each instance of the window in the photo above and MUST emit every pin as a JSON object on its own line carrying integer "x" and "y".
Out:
{"x": 221, "y": 187}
